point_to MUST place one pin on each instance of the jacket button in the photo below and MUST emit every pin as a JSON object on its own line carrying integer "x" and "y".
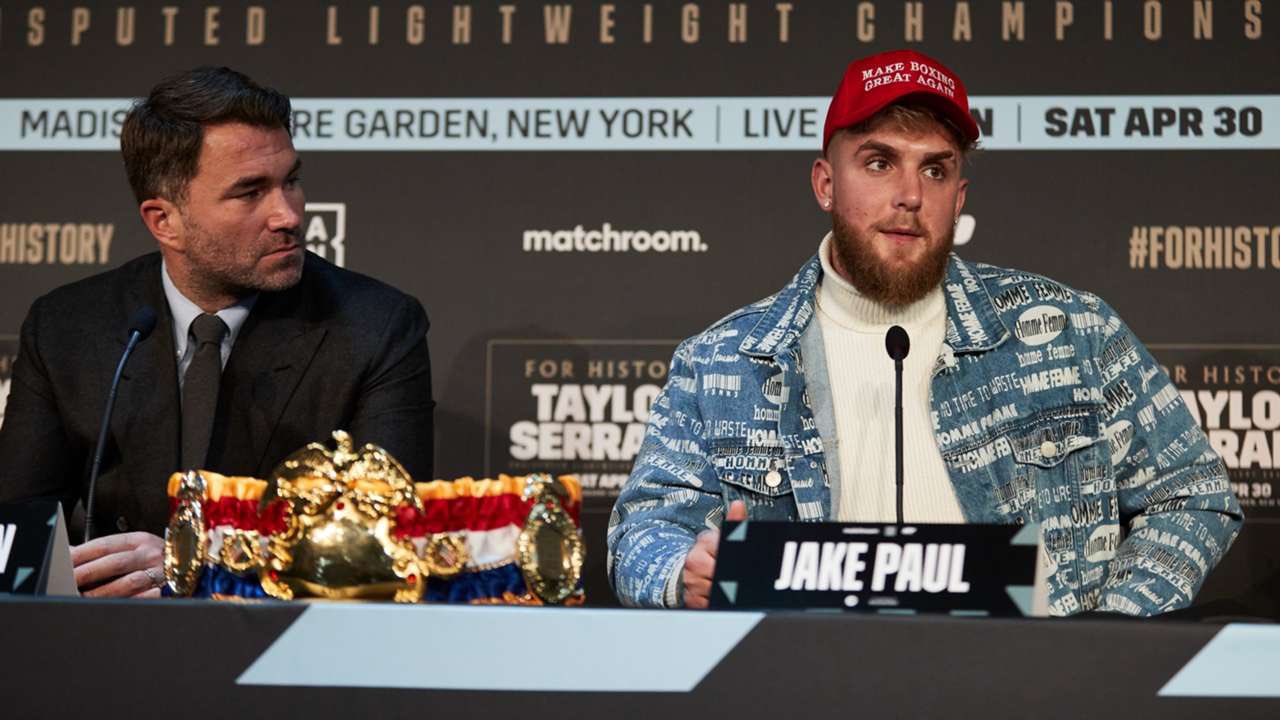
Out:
{"x": 773, "y": 478}
{"x": 1048, "y": 449}
{"x": 121, "y": 524}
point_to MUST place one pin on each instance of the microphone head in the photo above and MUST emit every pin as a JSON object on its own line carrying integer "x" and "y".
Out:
{"x": 896, "y": 343}
{"x": 143, "y": 322}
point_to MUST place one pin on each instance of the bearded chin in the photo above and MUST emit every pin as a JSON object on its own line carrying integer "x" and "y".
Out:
{"x": 880, "y": 281}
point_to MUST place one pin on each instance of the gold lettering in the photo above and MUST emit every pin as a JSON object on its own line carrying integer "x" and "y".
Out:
{"x": 461, "y": 24}
{"x": 8, "y": 242}
{"x": 866, "y": 22}
{"x": 79, "y": 23}
{"x": 331, "y": 27}
{"x": 962, "y": 28}
{"x": 66, "y": 245}
{"x": 556, "y": 20}
{"x": 1210, "y": 373}
{"x": 1107, "y": 24}
{"x": 88, "y": 245}
{"x": 1203, "y": 26}
{"x": 913, "y": 21}
{"x": 43, "y": 252}
{"x": 1064, "y": 15}
{"x": 126, "y": 25}
{"x": 255, "y": 25}
{"x": 606, "y": 24}
{"x": 1013, "y": 17}
{"x": 737, "y": 22}
{"x": 784, "y": 22}
{"x": 1243, "y": 250}
{"x": 415, "y": 24}
{"x": 507, "y": 11}
{"x": 689, "y": 23}
{"x": 35, "y": 27}
{"x": 1214, "y": 248}
{"x": 169, "y": 12}
{"x": 211, "y": 25}
{"x": 1253, "y": 19}
{"x": 374, "y": 13}
{"x": 648, "y": 23}
{"x": 105, "y": 233}
{"x": 1173, "y": 247}
{"x": 35, "y": 252}
{"x": 1152, "y": 19}
{"x": 1194, "y": 237}
{"x": 74, "y": 242}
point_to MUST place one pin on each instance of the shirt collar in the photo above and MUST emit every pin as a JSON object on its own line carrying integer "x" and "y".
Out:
{"x": 185, "y": 312}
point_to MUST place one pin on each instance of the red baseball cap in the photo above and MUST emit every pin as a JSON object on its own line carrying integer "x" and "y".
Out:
{"x": 873, "y": 83}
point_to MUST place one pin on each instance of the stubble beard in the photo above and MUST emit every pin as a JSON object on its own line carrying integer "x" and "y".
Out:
{"x": 878, "y": 280}
{"x": 215, "y": 271}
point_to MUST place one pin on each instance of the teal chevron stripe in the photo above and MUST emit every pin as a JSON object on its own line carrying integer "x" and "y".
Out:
{"x": 609, "y": 650}
{"x": 1240, "y": 661}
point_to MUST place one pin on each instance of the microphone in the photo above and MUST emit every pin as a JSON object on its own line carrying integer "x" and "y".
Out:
{"x": 897, "y": 344}
{"x": 140, "y": 326}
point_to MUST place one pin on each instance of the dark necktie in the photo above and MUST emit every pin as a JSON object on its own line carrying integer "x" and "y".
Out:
{"x": 200, "y": 389}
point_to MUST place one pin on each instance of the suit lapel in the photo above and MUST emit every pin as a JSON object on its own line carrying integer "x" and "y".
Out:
{"x": 147, "y": 408}
{"x": 270, "y": 356}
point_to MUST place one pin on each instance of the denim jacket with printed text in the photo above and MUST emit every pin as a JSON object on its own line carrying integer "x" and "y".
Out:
{"x": 1045, "y": 408}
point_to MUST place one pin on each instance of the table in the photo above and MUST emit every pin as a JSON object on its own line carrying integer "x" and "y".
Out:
{"x": 188, "y": 658}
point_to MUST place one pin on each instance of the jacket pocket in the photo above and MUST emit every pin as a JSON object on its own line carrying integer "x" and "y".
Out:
{"x": 1051, "y": 437}
{"x": 758, "y": 476}
{"x": 1058, "y": 465}
{"x": 1059, "y": 457}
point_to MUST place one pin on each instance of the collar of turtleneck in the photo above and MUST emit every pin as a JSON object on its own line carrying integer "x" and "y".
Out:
{"x": 841, "y": 302}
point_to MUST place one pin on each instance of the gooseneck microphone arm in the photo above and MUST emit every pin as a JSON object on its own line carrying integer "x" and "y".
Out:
{"x": 897, "y": 344}
{"x": 140, "y": 326}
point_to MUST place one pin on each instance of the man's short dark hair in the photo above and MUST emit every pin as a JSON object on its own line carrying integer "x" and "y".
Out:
{"x": 163, "y": 134}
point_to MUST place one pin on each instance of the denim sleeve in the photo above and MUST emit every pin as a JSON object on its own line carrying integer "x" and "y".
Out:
{"x": 1174, "y": 494}
{"x": 672, "y": 495}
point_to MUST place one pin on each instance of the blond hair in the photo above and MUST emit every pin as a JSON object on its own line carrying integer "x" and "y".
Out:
{"x": 915, "y": 117}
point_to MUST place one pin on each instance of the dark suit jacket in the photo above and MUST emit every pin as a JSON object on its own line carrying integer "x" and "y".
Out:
{"x": 337, "y": 351}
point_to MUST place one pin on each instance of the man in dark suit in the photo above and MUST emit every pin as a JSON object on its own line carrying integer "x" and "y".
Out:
{"x": 260, "y": 347}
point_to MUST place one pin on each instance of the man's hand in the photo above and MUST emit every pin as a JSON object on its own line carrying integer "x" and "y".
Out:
{"x": 125, "y": 565}
{"x": 700, "y": 563}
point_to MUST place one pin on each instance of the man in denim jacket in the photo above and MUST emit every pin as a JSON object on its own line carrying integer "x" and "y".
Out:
{"x": 1024, "y": 400}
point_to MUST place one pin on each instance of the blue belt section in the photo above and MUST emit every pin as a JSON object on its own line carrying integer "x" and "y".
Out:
{"x": 477, "y": 585}
{"x": 220, "y": 581}
{"x": 465, "y": 588}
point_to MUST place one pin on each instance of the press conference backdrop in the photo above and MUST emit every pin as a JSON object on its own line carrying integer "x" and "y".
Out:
{"x": 571, "y": 187}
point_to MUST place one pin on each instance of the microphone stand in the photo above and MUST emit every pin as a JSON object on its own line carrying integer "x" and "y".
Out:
{"x": 897, "y": 422}
{"x": 897, "y": 343}
{"x": 144, "y": 321}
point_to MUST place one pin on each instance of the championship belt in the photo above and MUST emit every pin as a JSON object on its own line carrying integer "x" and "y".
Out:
{"x": 348, "y": 524}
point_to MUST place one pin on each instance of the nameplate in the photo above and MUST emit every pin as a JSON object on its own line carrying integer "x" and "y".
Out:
{"x": 35, "y": 557}
{"x": 887, "y": 569}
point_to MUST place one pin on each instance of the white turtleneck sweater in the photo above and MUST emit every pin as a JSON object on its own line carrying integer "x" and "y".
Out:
{"x": 862, "y": 387}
